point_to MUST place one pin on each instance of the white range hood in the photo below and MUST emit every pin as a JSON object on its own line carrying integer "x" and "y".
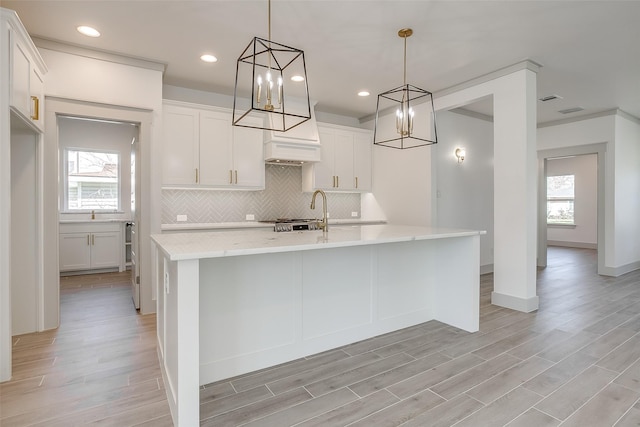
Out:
{"x": 296, "y": 146}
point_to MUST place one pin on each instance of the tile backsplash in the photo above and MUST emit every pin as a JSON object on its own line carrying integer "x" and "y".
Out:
{"x": 281, "y": 198}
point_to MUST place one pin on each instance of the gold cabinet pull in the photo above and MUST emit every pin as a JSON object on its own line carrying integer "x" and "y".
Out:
{"x": 334, "y": 181}
{"x": 230, "y": 176}
{"x": 356, "y": 182}
{"x": 337, "y": 181}
{"x": 88, "y": 242}
{"x": 197, "y": 177}
{"x": 36, "y": 108}
{"x": 236, "y": 176}
{"x": 93, "y": 239}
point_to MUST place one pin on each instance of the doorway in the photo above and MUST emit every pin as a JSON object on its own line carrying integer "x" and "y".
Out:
{"x": 97, "y": 185}
{"x": 589, "y": 161}
{"x": 58, "y": 107}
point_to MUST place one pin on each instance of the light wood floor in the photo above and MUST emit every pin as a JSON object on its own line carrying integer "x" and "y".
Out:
{"x": 100, "y": 367}
{"x": 575, "y": 362}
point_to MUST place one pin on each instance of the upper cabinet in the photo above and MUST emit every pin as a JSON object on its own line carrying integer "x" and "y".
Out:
{"x": 346, "y": 160}
{"x": 26, "y": 71}
{"x": 202, "y": 149}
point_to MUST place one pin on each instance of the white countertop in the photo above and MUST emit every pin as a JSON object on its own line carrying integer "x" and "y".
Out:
{"x": 186, "y": 246}
{"x": 107, "y": 220}
{"x": 250, "y": 224}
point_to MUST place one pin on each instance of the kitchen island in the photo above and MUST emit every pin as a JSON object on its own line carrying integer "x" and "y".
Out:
{"x": 237, "y": 301}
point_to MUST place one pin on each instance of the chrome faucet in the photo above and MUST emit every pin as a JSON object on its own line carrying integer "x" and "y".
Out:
{"x": 324, "y": 224}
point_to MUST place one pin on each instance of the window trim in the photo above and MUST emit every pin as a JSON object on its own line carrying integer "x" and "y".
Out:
{"x": 571, "y": 224}
{"x": 65, "y": 182}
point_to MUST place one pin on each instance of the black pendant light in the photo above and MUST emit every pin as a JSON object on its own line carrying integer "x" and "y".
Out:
{"x": 271, "y": 89}
{"x": 405, "y": 116}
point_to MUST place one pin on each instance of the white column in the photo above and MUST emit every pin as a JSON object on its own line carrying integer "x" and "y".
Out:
{"x": 515, "y": 186}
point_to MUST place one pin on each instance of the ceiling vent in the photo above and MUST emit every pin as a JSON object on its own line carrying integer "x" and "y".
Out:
{"x": 549, "y": 97}
{"x": 571, "y": 110}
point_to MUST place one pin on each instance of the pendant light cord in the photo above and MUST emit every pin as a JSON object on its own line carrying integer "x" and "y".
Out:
{"x": 405, "y": 60}
{"x": 270, "y": 20}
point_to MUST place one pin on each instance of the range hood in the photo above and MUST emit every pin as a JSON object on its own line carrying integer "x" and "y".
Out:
{"x": 294, "y": 147}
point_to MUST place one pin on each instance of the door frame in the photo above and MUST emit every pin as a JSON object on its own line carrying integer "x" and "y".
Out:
{"x": 600, "y": 150}
{"x": 69, "y": 107}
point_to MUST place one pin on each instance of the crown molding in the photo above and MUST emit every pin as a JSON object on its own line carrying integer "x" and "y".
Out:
{"x": 58, "y": 46}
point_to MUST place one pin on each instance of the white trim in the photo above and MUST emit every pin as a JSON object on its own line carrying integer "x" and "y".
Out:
{"x": 526, "y": 305}
{"x": 613, "y": 112}
{"x": 619, "y": 271}
{"x": 580, "y": 245}
{"x": 78, "y": 50}
{"x": 486, "y": 269}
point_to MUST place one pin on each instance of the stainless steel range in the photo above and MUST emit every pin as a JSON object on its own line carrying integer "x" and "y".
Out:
{"x": 294, "y": 224}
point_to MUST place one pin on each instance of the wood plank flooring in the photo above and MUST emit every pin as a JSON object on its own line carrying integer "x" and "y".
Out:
{"x": 575, "y": 362}
{"x": 100, "y": 367}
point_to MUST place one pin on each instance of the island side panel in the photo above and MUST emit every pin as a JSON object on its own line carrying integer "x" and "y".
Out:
{"x": 181, "y": 340}
{"x": 405, "y": 275}
{"x": 250, "y": 313}
{"x": 457, "y": 289}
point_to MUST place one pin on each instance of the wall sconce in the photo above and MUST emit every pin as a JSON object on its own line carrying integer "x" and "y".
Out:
{"x": 460, "y": 153}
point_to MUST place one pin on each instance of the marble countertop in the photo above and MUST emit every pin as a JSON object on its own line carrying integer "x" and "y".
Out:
{"x": 251, "y": 224}
{"x": 198, "y": 245}
{"x": 105, "y": 220}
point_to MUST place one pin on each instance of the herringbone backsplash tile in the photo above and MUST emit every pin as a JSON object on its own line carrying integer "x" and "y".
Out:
{"x": 281, "y": 198}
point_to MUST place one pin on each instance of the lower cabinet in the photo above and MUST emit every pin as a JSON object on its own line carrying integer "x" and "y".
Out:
{"x": 90, "y": 246}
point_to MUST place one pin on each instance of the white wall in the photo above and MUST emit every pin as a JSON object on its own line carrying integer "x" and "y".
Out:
{"x": 627, "y": 192}
{"x": 585, "y": 170}
{"x": 24, "y": 231}
{"x": 94, "y": 135}
{"x": 621, "y": 166}
{"x": 464, "y": 191}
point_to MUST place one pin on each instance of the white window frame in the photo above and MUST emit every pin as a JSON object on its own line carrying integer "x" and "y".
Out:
{"x": 572, "y": 199}
{"x": 65, "y": 183}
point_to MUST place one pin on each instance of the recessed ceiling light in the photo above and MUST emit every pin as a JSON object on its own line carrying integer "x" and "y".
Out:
{"x": 209, "y": 58}
{"x": 297, "y": 78}
{"x": 88, "y": 31}
{"x": 363, "y": 93}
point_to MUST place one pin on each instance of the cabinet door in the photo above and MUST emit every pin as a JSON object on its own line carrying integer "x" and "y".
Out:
{"x": 216, "y": 167}
{"x": 362, "y": 151}
{"x": 180, "y": 153}
{"x": 105, "y": 249}
{"x": 323, "y": 170}
{"x": 36, "y": 85}
{"x": 75, "y": 251}
{"x": 248, "y": 157}
{"x": 343, "y": 160}
{"x": 20, "y": 74}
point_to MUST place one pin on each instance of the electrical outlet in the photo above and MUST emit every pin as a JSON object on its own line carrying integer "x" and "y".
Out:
{"x": 354, "y": 214}
{"x": 181, "y": 218}
{"x": 250, "y": 217}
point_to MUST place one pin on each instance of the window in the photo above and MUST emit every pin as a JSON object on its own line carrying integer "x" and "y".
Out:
{"x": 92, "y": 180}
{"x": 560, "y": 199}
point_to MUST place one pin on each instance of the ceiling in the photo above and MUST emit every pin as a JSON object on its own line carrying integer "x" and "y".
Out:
{"x": 588, "y": 49}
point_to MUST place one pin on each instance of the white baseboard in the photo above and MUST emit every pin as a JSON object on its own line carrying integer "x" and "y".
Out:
{"x": 486, "y": 269}
{"x": 580, "y": 245}
{"x": 526, "y": 305}
{"x": 619, "y": 271}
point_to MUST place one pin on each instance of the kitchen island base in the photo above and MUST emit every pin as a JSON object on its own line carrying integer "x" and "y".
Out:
{"x": 223, "y": 316}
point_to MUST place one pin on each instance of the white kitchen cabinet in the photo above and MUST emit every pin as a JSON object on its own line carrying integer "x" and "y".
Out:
{"x": 346, "y": 161}
{"x": 26, "y": 73}
{"x": 202, "y": 149}
{"x": 87, "y": 246}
